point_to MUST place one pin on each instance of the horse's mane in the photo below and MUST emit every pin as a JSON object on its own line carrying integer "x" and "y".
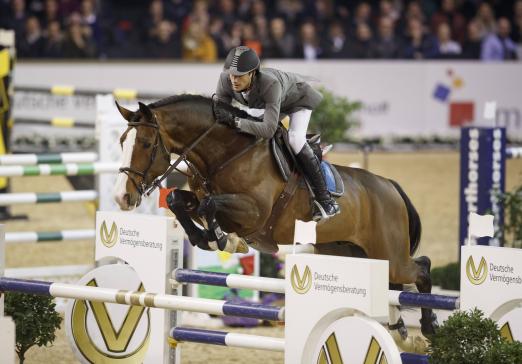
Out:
{"x": 200, "y": 98}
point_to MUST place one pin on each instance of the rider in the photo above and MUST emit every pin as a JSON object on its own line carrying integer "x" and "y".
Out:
{"x": 275, "y": 91}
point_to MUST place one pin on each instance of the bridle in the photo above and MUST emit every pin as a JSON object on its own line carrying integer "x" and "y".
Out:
{"x": 146, "y": 189}
{"x": 142, "y": 187}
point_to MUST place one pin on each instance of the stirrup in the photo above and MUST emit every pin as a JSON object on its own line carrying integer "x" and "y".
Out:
{"x": 324, "y": 216}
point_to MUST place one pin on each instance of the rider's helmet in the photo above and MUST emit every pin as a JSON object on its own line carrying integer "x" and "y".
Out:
{"x": 241, "y": 60}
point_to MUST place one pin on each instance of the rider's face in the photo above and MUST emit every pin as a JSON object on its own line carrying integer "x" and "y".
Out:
{"x": 241, "y": 83}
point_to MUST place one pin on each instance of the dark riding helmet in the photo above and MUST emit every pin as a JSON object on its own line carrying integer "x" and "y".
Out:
{"x": 241, "y": 60}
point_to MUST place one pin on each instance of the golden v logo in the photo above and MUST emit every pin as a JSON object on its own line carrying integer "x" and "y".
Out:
{"x": 476, "y": 275}
{"x": 330, "y": 353}
{"x": 374, "y": 354}
{"x": 108, "y": 238}
{"x": 117, "y": 342}
{"x": 301, "y": 285}
{"x": 506, "y": 333}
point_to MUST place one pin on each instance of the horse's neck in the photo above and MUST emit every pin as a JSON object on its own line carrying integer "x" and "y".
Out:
{"x": 216, "y": 148}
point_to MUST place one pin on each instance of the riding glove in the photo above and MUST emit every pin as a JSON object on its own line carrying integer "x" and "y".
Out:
{"x": 225, "y": 117}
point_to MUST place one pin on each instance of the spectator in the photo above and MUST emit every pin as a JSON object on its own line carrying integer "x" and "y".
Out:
{"x": 387, "y": 44}
{"x": 16, "y": 19}
{"x": 413, "y": 11}
{"x": 216, "y": 31}
{"x": 227, "y": 12}
{"x": 199, "y": 14}
{"x": 32, "y": 42}
{"x": 232, "y": 38}
{"x": 419, "y": 44}
{"x": 257, "y": 8}
{"x": 486, "y": 20}
{"x": 336, "y": 42}
{"x": 363, "y": 14}
{"x": 51, "y": 12}
{"x": 387, "y": 9}
{"x": 156, "y": 16}
{"x": 250, "y": 39}
{"x": 310, "y": 47}
{"x": 448, "y": 48}
{"x": 498, "y": 47}
{"x": 198, "y": 45}
{"x": 324, "y": 13}
{"x": 448, "y": 14}
{"x": 516, "y": 33}
{"x": 261, "y": 29}
{"x": 90, "y": 20}
{"x": 53, "y": 46}
{"x": 78, "y": 43}
{"x": 281, "y": 43}
{"x": 165, "y": 43}
{"x": 360, "y": 47}
{"x": 291, "y": 10}
{"x": 473, "y": 44}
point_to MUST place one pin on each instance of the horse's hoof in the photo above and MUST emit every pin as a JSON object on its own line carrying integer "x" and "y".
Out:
{"x": 235, "y": 244}
{"x": 430, "y": 326}
{"x": 400, "y": 327}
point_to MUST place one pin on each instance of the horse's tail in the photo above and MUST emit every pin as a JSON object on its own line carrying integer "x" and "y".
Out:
{"x": 415, "y": 227}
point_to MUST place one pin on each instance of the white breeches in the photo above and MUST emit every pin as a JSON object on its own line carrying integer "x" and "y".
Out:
{"x": 298, "y": 126}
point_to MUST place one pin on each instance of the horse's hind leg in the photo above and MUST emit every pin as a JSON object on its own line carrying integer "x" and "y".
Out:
{"x": 416, "y": 271}
{"x": 428, "y": 319}
{"x": 396, "y": 322}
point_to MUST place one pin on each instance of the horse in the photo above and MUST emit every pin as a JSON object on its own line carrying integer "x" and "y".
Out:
{"x": 234, "y": 176}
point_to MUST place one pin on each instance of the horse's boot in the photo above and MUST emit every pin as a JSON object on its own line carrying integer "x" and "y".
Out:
{"x": 325, "y": 205}
{"x": 207, "y": 210}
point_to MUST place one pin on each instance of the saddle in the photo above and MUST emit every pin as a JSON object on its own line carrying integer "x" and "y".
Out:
{"x": 286, "y": 163}
{"x": 262, "y": 239}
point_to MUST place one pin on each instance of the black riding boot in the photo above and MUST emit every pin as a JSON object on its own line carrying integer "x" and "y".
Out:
{"x": 325, "y": 205}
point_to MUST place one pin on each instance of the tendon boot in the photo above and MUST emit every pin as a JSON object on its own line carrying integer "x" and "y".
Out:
{"x": 325, "y": 205}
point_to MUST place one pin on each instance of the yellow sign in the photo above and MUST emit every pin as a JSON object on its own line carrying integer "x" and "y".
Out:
{"x": 108, "y": 238}
{"x": 375, "y": 355}
{"x": 476, "y": 275}
{"x": 301, "y": 284}
{"x": 330, "y": 353}
{"x": 116, "y": 341}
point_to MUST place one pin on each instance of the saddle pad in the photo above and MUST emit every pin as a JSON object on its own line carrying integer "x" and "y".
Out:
{"x": 334, "y": 182}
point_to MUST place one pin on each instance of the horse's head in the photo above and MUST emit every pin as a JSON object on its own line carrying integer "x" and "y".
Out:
{"x": 145, "y": 156}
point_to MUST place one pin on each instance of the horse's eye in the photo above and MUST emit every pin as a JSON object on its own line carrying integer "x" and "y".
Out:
{"x": 146, "y": 145}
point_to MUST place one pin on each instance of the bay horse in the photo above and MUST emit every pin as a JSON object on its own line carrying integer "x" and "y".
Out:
{"x": 235, "y": 176}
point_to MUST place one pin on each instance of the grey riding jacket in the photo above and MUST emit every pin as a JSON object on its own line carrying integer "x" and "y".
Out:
{"x": 273, "y": 90}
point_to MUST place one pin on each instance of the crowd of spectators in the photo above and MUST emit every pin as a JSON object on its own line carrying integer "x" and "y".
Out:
{"x": 203, "y": 30}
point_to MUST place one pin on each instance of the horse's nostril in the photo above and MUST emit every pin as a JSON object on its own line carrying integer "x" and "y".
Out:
{"x": 126, "y": 198}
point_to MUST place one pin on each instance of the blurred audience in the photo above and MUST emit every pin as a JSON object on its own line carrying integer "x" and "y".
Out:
{"x": 499, "y": 46}
{"x": 198, "y": 45}
{"x": 419, "y": 43}
{"x": 387, "y": 44}
{"x": 448, "y": 48}
{"x": 204, "y": 30}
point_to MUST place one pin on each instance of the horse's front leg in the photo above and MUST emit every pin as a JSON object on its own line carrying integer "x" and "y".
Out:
{"x": 182, "y": 203}
{"x": 236, "y": 212}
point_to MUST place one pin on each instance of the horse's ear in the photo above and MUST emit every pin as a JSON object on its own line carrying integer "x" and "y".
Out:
{"x": 127, "y": 114}
{"x": 146, "y": 111}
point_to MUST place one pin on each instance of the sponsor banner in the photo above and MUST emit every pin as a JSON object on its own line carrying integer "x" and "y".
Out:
{"x": 152, "y": 246}
{"x": 323, "y": 289}
{"x": 482, "y": 179}
{"x": 491, "y": 280}
{"x": 399, "y": 98}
